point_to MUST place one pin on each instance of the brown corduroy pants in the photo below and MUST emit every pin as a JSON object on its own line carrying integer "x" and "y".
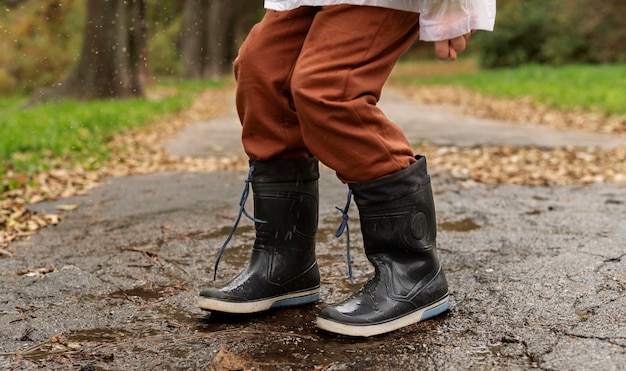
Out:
{"x": 309, "y": 79}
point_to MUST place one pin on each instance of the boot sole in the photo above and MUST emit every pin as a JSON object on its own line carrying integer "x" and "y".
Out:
{"x": 366, "y": 330}
{"x": 247, "y": 307}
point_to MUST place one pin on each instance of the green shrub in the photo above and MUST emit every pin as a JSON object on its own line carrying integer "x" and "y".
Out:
{"x": 40, "y": 42}
{"x": 603, "y": 28}
{"x": 522, "y": 28}
{"x": 164, "y": 18}
{"x": 555, "y": 32}
{"x": 164, "y": 54}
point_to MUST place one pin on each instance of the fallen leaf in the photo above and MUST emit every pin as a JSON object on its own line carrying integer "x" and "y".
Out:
{"x": 52, "y": 218}
{"x": 227, "y": 361}
{"x": 68, "y": 207}
{"x": 37, "y": 272}
{"x": 4, "y": 252}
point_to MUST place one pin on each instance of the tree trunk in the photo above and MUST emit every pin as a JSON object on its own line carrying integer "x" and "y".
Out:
{"x": 193, "y": 38}
{"x": 211, "y": 35}
{"x": 113, "y": 59}
{"x": 217, "y": 30}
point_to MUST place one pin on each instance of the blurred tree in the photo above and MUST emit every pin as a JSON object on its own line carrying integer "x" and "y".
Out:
{"x": 522, "y": 28}
{"x": 39, "y": 41}
{"x": 113, "y": 61}
{"x": 555, "y": 32}
{"x": 602, "y": 27}
{"x": 211, "y": 33}
{"x": 164, "y": 19}
{"x": 11, "y": 3}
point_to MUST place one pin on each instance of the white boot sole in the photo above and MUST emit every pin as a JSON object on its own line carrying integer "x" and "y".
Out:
{"x": 291, "y": 299}
{"x": 381, "y": 328}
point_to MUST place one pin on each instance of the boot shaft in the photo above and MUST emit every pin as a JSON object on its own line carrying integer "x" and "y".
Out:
{"x": 286, "y": 199}
{"x": 398, "y": 212}
{"x": 297, "y": 170}
{"x": 289, "y": 213}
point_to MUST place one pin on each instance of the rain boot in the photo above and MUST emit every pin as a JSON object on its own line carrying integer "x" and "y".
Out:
{"x": 399, "y": 230}
{"x": 282, "y": 270}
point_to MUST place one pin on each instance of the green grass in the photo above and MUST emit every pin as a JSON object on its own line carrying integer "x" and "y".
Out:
{"x": 74, "y": 131}
{"x": 596, "y": 88}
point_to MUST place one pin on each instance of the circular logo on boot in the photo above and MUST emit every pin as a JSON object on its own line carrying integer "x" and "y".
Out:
{"x": 418, "y": 225}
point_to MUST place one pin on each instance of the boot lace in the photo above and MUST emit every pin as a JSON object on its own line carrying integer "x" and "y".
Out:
{"x": 344, "y": 227}
{"x": 242, "y": 211}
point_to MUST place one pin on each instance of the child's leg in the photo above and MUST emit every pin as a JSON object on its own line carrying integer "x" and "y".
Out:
{"x": 337, "y": 82}
{"x": 282, "y": 270}
{"x": 263, "y": 71}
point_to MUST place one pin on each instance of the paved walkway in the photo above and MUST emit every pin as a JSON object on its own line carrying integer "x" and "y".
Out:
{"x": 537, "y": 274}
{"x": 440, "y": 125}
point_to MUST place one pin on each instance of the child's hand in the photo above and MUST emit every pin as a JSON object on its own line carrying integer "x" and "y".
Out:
{"x": 448, "y": 49}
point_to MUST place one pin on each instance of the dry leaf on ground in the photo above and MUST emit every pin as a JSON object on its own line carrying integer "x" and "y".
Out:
{"x": 228, "y": 361}
{"x": 522, "y": 110}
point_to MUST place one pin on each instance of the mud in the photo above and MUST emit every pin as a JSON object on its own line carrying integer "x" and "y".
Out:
{"x": 537, "y": 278}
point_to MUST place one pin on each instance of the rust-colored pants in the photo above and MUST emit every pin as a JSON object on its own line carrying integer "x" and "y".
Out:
{"x": 309, "y": 79}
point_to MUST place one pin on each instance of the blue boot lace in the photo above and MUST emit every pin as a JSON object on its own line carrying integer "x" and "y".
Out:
{"x": 344, "y": 227}
{"x": 242, "y": 210}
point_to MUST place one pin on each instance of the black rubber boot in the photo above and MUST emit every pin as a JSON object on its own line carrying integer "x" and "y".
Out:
{"x": 282, "y": 270}
{"x": 399, "y": 231}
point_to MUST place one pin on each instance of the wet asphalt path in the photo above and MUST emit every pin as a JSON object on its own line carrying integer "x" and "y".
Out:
{"x": 537, "y": 274}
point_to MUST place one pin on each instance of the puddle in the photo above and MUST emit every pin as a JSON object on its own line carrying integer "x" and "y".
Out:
{"x": 300, "y": 346}
{"x": 178, "y": 317}
{"x": 75, "y": 342}
{"x": 224, "y": 231}
{"x": 235, "y": 256}
{"x": 146, "y": 293}
{"x": 326, "y": 234}
{"x": 464, "y": 225}
{"x": 100, "y": 335}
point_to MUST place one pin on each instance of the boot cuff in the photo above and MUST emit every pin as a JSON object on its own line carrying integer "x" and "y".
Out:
{"x": 285, "y": 170}
{"x": 394, "y": 186}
